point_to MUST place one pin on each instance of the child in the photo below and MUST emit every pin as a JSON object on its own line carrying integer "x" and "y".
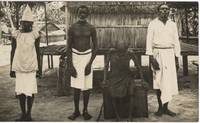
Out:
{"x": 24, "y": 62}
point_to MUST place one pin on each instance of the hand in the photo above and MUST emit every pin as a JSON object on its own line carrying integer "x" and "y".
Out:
{"x": 129, "y": 51}
{"x": 177, "y": 63}
{"x": 154, "y": 63}
{"x": 88, "y": 69}
{"x": 104, "y": 84}
{"x": 38, "y": 75}
{"x": 72, "y": 71}
{"x": 12, "y": 74}
{"x": 111, "y": 50}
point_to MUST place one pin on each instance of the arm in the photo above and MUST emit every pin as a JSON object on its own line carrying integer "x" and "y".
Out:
{"x": 37, "y": 47}
{"x": 94, "y": 41}
{"x": 70, "y": 65}
{"x": 149, "y": 47}
{"x": 12, "y": 53}
{"x": 135, "y": 59}
{"x": 94, "y": 50}
{"x": 69, "y": 47}
{"x": 177, "y": 48}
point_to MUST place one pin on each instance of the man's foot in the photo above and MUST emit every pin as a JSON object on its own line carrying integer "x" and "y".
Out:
{"x": 74, "y": 115}
{"x": 86, "y": 116}
{"x": 159, "y": 112}
{"x": 168, "y": 112}
{"x": 22, "y": 118}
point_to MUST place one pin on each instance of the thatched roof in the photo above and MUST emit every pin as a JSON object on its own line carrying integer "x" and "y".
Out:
{"x": 116, "y": 7}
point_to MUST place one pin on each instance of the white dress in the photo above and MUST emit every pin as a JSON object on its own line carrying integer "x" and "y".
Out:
{"x": 163, "y": 43}
{"x": 25, "y": 62}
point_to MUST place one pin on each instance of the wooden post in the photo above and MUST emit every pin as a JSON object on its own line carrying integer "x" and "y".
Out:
{"x": 185, "y": 65}
{"x": 67, "y": 21}
{"x": 186, "y": 21}
{"x": 45, "y": 12}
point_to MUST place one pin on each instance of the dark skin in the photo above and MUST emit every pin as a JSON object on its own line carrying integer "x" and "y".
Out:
{"x": 79, "y": 37}
{"x": 163, "y": 14}
{"x": 26, "y": 114}
{"x": 131, "y": 55}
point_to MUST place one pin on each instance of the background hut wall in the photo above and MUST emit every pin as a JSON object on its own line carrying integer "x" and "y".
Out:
{"x": 118, "y": 24}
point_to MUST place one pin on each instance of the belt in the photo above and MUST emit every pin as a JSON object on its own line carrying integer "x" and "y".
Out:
{"x": 82, "y": 53}
{"x": 163, "y": 47}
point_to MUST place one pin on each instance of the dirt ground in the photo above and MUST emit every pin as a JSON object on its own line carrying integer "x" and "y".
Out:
{"x": 49, "y": 107}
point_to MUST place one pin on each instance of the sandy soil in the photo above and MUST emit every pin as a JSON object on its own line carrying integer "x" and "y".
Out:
{"x": 48, "y": 107}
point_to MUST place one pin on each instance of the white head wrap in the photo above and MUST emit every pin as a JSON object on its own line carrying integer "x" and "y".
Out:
{"x": 27, "y": 14}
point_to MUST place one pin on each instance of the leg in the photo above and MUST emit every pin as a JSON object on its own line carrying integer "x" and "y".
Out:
{"x": 167, "y": 111}
{"x": 130, "y": 109}
{"x": 160, "y": 108}
{"x": 22, "y": 101}
{"x": 30, "y": 100}
{"x": 115, "y": 107}
{"x": 86, "y": 95}
{"x": 76, "y": 104}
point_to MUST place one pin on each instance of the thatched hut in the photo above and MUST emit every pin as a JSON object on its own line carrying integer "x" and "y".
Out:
{"x": 121, "y": 24}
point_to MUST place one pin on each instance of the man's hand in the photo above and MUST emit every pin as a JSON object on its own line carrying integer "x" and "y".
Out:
{"x": 88, "y": 69}
{"x": 12, "y": 74}
{"x": 177, "y": 63}
{"x": 111, "y": 50}
{"x": 72, "y": 71}
{"x": 154, "y": 63}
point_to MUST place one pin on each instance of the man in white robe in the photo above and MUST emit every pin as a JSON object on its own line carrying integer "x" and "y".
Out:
{"x": 163, "y": 47}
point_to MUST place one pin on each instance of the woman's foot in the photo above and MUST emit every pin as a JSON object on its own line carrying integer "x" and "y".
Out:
{"x": 28, "y": 117}
{"x": 22, "y": 118}
{"x": 159, "y": 112}
{"x": 86, "y": 116}
{"x": 74, "y": 115}
{"x": 168, "y": 112}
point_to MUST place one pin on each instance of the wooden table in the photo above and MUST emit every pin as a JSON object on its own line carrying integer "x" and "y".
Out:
{"x": 186, "y": 50}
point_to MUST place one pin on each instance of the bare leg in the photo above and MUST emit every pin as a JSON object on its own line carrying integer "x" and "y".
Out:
{"x": 130, "y": 109}
{"x": 115, "y": 107}
{"x": 29, "y": 107}
{"x": 167, "y": 111}
{"x": 160, "y": 108}
{"x": 76, "y": 104}
{"x": 22, "y": 101}
{"x": 86, "y": 95}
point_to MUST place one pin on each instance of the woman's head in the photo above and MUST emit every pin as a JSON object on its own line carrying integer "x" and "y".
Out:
{"x": 26, "y": 26}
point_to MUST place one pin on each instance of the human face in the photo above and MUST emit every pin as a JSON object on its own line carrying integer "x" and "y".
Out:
{"x": 82, "y": 13}
{"x": 163, "y": 12}
{"x": 26, "y": 26}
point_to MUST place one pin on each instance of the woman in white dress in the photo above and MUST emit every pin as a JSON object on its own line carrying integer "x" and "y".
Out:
{"x": 24, "y": 62}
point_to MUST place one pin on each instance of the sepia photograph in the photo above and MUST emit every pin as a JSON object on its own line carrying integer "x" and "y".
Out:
{"x": 99, "y": 61}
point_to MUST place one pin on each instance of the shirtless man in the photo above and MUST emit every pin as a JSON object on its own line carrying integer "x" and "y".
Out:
{"x": 80, "y": 57}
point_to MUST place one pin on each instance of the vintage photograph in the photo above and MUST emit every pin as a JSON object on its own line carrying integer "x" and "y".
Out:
{"x": 99, "y": 61}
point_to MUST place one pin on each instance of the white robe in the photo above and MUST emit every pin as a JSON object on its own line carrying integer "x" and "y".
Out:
{"x": 80, "y": 61}
{"x": 164, "y": 36}
{"x": 25, "y": 62}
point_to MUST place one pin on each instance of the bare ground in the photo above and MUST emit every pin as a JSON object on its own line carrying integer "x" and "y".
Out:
{"x": 48, "y": 107}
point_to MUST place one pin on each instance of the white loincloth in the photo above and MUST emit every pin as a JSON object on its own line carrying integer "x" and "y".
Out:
{"x": 165, "y": 79}
{"x": 80, "y": 60}
{"x": 26, "y": 83}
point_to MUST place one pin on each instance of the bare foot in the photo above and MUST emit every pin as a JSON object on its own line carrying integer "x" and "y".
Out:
{"x": 168, "y": 112}
{"x": 74, "y": 115}
{"x": 159, "y": 112}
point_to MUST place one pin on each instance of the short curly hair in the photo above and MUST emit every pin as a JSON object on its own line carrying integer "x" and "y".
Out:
{"x": 83, "y": 7}
{"x": 162, "y": 5}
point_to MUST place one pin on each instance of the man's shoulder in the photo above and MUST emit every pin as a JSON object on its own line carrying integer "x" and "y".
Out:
{"x": 155, "y": 20}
